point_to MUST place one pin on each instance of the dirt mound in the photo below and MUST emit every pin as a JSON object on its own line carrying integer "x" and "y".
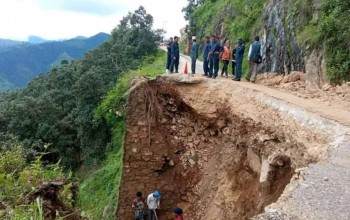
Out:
{"x": 338, "y": 96}
{"x": 215, "y": 165}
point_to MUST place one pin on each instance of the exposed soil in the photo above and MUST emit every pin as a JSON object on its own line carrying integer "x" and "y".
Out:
{"x": 216, "y": 155}
{"x": 336, "y": 96}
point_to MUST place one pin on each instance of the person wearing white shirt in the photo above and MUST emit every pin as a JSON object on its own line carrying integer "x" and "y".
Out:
{"x": 153, "y": 203}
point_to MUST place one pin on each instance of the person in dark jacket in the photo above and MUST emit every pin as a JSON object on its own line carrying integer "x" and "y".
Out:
{"x": 175, "y": 55}
{"x": 233, "y": 62}
{"x": 169, "y": 54}
{"x": 194, "y": 55}
{"x": 254, "y": 56}
{"x": 206, "y": 51}
{"x": 214, "y": 57}
{"x": 239, "y": 59}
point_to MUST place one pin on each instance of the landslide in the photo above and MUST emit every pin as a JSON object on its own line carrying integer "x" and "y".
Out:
{"x": 216, "y": 155}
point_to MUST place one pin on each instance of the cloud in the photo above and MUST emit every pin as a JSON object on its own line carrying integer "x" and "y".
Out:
{"x": 57, "y": 19}
{"x": 92, "y": 7}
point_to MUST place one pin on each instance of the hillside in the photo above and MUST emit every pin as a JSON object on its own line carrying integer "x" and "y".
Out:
{"x": 303, "y": 35}
{"x": 22, "y": 62}
{"x": 55, "y": 124}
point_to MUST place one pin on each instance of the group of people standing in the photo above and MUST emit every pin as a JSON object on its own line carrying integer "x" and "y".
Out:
{"x": 213, "y": 52}
{"x": 146, "y": 208}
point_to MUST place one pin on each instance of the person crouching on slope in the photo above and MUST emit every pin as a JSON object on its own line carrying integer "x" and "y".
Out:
{"x": 178, "y": 213}
{"x": 153, "y": 203}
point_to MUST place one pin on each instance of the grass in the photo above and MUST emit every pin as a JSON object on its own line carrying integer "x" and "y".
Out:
{"x": 100, "y": 189}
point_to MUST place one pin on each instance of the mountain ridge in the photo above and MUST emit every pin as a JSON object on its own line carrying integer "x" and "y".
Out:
{"x": 23, "y": 61}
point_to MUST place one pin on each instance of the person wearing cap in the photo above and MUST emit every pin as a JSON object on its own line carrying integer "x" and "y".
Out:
{"x": 153, "y": 203}
{"x": 175, "y": 55}
{"x": 239, "y": 59}
{"x": 178, "y": 213}
{"x": 169, "y": 54}
{"x": 194, "y": 55}
{"x": 206, "y": 51}
{"x": 214, "y": 57}
{"x": 254, "y": 58}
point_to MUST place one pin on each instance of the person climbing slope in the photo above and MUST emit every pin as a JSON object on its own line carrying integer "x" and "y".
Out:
{"x": 153, "y": 203}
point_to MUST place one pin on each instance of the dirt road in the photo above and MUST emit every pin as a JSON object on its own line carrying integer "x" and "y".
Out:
{"x": 333, "y": 112}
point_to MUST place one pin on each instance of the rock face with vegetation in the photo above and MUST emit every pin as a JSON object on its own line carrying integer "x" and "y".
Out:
{"x": 309, "y": 36}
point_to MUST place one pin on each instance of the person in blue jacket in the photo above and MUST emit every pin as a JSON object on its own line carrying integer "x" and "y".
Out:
{"x": 169, "y": 54}
{"x": 206, "y": 51}
{"x": 254, "y": 58}
{"x": 214, "y": 57}
{"x": 175, "y": 55}
{"x": 194, "y": 55}
{"x": 239, "y": 59}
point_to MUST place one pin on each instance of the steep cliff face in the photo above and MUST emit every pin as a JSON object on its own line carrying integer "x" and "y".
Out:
{"x": 282, "y": 21}
{"x": 281, "y": 51}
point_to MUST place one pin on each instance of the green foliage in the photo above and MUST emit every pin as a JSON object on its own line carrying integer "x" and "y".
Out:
{"x": 58, "y": 108}
{"x": 309, "y": 36}
{"x": 18, "y": 180}
{"x": 99, "y": 191}
{"x": 334, "y": 27}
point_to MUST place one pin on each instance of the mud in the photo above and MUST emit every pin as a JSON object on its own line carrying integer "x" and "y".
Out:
{"x": 217, "y": 154}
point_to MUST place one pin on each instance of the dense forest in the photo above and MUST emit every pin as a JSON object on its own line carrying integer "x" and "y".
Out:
{"x": 21, "y": 62}
{"x": 291, "y": 31}
{"x": 53, "y": 120}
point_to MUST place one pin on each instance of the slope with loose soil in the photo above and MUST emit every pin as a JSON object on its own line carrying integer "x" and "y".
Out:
{"x": 217, "y": 149}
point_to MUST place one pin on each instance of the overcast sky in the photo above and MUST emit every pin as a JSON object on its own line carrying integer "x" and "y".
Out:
{"x": 63, "y": 19}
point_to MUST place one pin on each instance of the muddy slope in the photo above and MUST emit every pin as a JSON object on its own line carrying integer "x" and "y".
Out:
{"x": 214, "y": 153}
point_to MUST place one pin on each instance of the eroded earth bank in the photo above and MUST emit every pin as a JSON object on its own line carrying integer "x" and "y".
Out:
{"x": 221, "y": 152}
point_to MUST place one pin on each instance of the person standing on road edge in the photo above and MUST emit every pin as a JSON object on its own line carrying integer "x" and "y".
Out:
{"x": 206, "y": 51}
{"x": 175, "y": 55}
{"x": 169, "y": 54}
{"x": 254, "y": 58}
{"x": 239, "y": 59}
{"x": 233, "y": 61}
{"x": 178, "y": 213}
{"x": 225, "y": 56}
{"x": 153, "y": 203}
{"x": 214, "y": 54}
{"x": 194, "y": 55}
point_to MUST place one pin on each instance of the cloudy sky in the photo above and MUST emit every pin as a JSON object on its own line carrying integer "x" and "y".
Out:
{"x": 63, "y": 19}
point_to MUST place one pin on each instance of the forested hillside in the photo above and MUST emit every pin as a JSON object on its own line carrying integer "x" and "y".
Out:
{"x": 297, "y": 35}
{"x": 20, "y": 63}
{"x": 53, "y": 119}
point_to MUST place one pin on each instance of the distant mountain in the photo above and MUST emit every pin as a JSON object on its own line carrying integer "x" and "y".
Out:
{"x": 35, "y": 39}
{"x": 21, "y": 62}
{"x": 9, "y": 43}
